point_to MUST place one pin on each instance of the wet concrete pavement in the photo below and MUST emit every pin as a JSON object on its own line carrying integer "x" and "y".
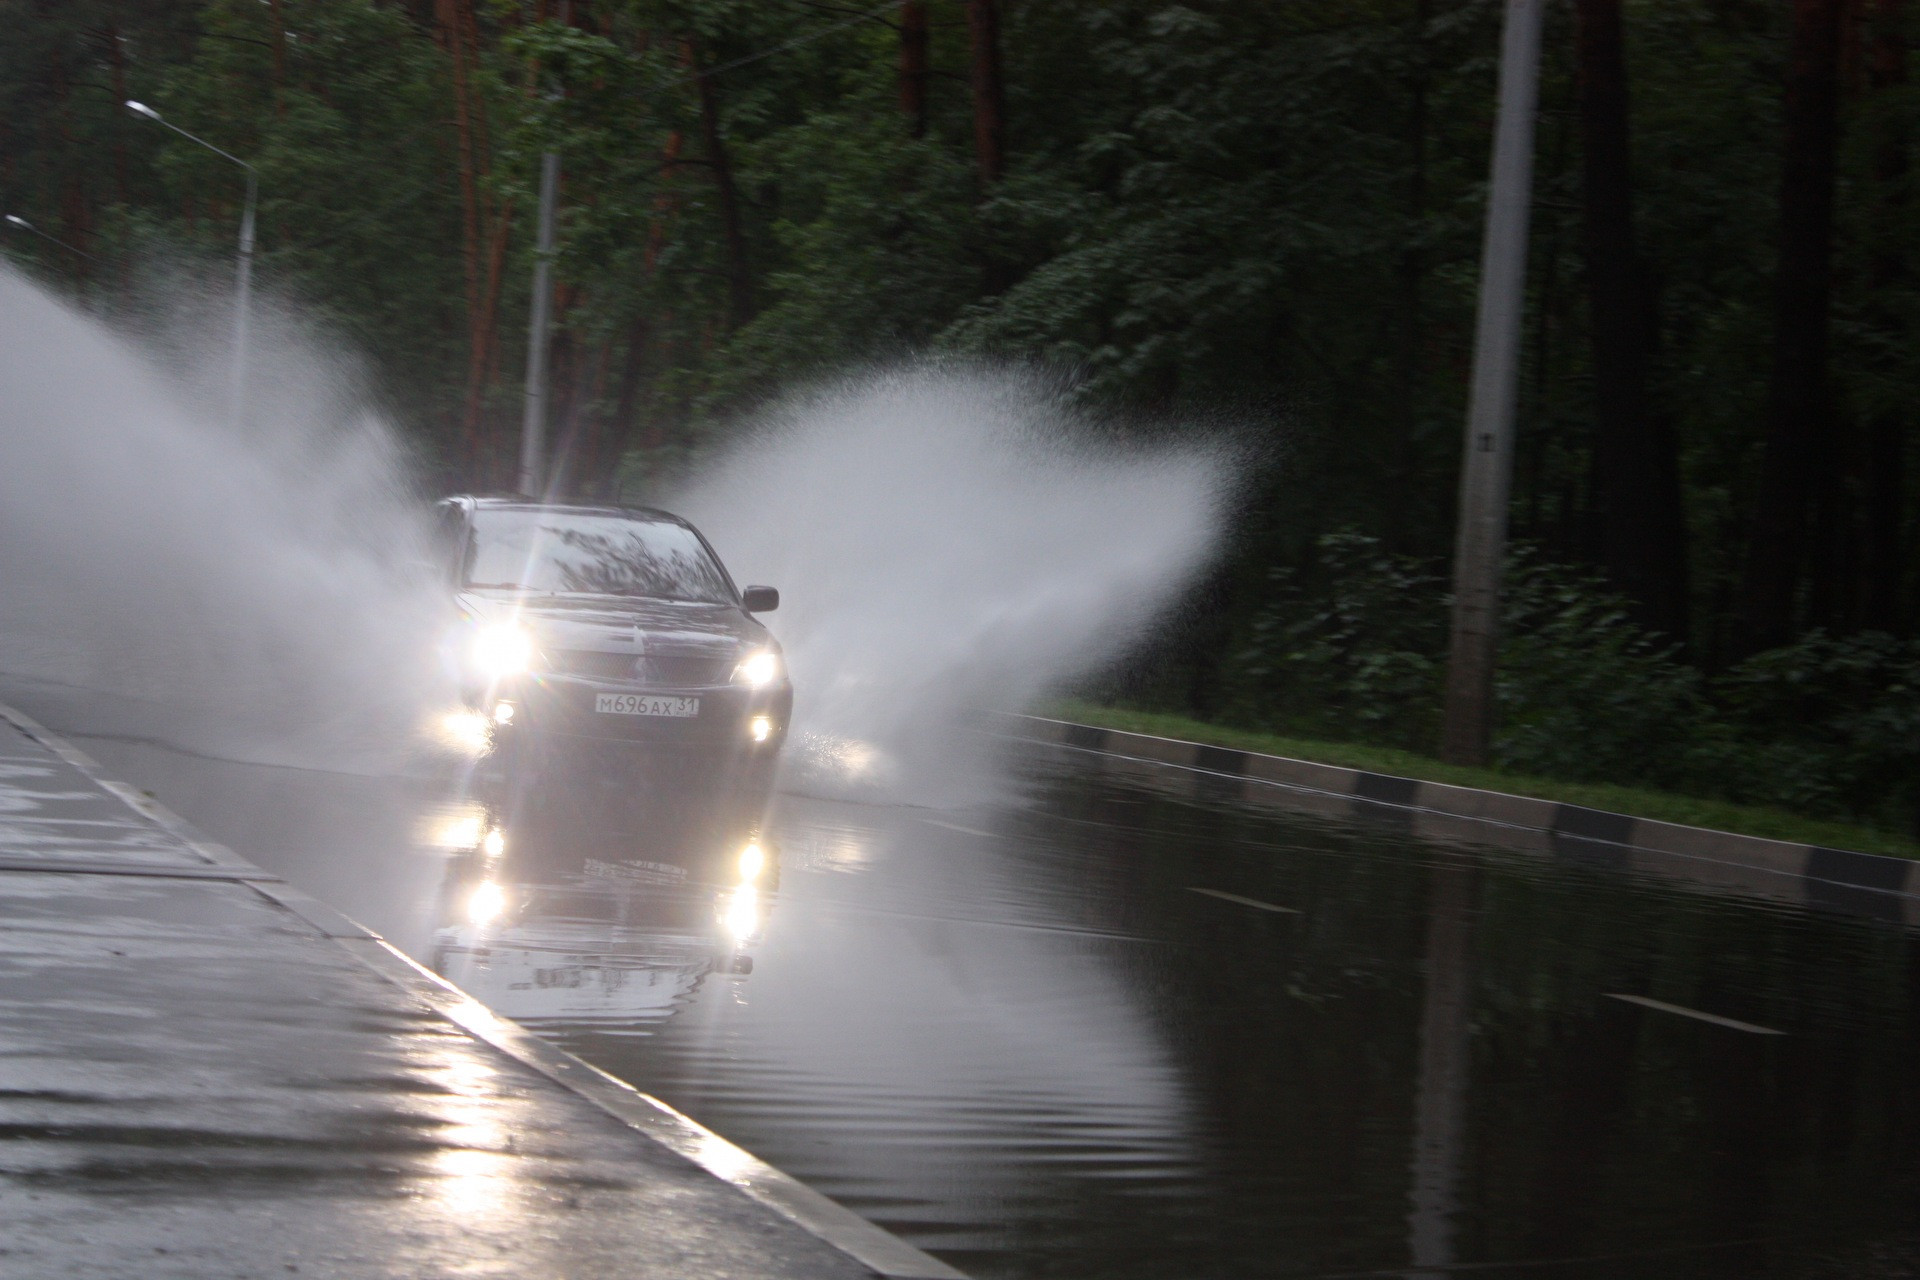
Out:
{"x": 199, "y": 1080}
{"x": 1090, "y": 1030}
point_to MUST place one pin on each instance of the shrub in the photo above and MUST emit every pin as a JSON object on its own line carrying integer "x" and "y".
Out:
{"x": 1582, "y": 692}
{"x": 1353, "y": 646}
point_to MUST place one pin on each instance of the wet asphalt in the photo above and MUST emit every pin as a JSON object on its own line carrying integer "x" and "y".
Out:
{"x": 1090, "y": 1031}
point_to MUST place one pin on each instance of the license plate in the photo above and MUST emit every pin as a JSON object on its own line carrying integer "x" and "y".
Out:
{"x": 644, "y": 704}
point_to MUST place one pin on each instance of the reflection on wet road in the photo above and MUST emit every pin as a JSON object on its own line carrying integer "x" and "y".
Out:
{"x": 1101, "y": 1033}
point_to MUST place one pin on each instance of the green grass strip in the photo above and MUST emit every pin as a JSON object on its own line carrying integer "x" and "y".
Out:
{"x": 1661, "y": 806}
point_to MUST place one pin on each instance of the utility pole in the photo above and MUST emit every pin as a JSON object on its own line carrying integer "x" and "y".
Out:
{"x": 534, "y": 418}
{"x": 1486, "y": 471}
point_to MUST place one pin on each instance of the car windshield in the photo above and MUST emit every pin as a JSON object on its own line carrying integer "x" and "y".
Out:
{"x": 532, "y": 550}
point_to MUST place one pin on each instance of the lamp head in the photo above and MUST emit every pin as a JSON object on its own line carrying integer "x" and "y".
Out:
{"x": 19, "y": 222}
{"x": 142, "y": 109}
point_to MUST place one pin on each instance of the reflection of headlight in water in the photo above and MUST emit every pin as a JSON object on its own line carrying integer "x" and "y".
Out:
{"x": 467, "y": 732}
{"x": 753, "y": 860}
{"x": 486, "y": 904}
{"x": 740, "y": 913}
{"x": 501, "y": 649}
{"x": 458, "y": 830}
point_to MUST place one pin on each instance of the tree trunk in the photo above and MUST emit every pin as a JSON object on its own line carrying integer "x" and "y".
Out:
{"x": 452, "y": 17}
{"x": 983, "y": 27}
{"x": 1636, "y": 468}
{"x": 1888, "y": 426}
{"x": 740, "y": 304}
{"x": 1413, "y": 260}
{"x": 913, "y": 65}
{"x": 116, "y": 53}
{"x": 279, "y": 57}
{"x": 1799, "y": 444}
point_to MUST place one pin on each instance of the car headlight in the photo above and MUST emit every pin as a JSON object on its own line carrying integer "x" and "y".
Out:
{"x": 758, "y": 670}
{"x": 502, "y": 649}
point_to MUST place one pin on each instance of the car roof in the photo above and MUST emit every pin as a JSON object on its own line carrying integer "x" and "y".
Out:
{"x": 479, "y": 503}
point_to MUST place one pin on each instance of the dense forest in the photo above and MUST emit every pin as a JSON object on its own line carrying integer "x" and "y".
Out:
{"x": 1259, "y": 214}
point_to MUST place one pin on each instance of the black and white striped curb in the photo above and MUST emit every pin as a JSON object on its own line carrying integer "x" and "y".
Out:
{"x": 1858, "y": 883}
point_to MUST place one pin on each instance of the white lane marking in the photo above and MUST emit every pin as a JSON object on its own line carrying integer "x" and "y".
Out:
{"x": 954, "y": 826}
{"x": 1685, "y": 1012}
{"x": 1245, "y": 902}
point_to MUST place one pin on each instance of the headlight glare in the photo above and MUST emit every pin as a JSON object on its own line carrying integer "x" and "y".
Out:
{"x": 758, "y": 670}
{"x": 753, "y": 860}
{"x": 502, "y": 649}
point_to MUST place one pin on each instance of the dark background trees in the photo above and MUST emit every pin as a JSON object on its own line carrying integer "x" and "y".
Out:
{"x": 1265, "y": 213}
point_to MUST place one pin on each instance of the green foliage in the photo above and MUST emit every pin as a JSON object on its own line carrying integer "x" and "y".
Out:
{"x": 1351, "y": 647}
{"x": 1354, "y": 649}
{"x": 1267, "y": 212}
{"x": 1829, "y": 725}
{"x": 1583, "y": 692}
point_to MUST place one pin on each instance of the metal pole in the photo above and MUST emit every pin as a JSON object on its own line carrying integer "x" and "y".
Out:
{"x": 243, "y": 291}
{"x": 1486, "y": 471}
{"x": 15, "y": 220}
{"x": 533, "y": 422}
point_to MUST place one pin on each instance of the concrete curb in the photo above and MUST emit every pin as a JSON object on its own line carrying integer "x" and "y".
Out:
{"x": 879, "y": 1251}
{"x": 1857, "y": 883}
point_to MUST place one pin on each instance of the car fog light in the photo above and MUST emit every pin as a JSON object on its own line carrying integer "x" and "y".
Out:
{"x": 753, "y": 860}
{"x": 487, "y": 902}
{"x": 761, "y": 728}
{"x": 503, "y": 713}
{"x": 495, "y": 844}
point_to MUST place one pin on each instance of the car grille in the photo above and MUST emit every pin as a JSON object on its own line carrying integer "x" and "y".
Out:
{"x": 667, "y": 671}
{"x": 680, "y": 672}
{"x": 587, "y": 662}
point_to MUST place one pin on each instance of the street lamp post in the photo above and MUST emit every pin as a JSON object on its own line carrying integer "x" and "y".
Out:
{"x": 19, "y": 223}
{"x": 243, "y": 287}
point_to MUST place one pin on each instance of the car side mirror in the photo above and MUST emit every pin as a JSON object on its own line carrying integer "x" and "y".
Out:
{"x": 760, "y": 599}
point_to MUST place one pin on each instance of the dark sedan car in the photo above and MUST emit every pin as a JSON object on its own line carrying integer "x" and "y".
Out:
{"x": 627, "y": 690}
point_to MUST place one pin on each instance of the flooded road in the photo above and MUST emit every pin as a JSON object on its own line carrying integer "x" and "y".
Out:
{"x": 1096, "y": 1032}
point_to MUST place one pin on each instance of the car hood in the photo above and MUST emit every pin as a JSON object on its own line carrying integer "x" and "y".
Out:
{"x": 620, "y": 624}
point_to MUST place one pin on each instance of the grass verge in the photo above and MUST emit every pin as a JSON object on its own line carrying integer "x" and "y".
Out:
{"x": 1661, "y": 806}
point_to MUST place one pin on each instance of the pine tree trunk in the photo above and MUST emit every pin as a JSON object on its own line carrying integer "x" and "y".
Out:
{"x": 1636, "y": 468}
{"x": 452, "y": 21}
{"x": 740, "y": 303}
{"x": 1800, "y": 426}
{"x": 913, "y": 65}
{"x": 1889, "y": 427}
{"x": 983, "y": 27}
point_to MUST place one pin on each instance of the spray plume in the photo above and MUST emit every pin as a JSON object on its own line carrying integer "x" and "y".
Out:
{"x": 249, "y": 585}
{"x": 947, "y": 539}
